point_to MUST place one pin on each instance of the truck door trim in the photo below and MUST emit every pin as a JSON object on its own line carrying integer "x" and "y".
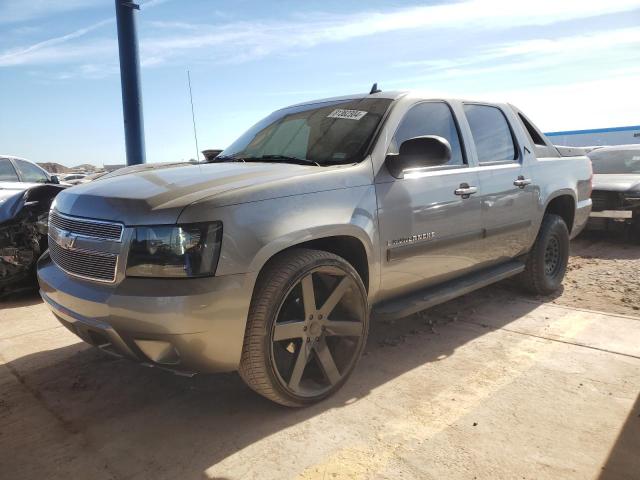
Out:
{"x": 403, "y": 251}
{"x": 399, "y": 252}
{"x": 507, "y": 228}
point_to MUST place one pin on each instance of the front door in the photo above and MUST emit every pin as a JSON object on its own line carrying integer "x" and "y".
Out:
{"x": 508, "y": 198}
{"x": 430, "y": 224}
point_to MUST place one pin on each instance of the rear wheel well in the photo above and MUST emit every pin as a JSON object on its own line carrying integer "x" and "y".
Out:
{"x": 347, "y": 247}
{"x": 565, "y": 207}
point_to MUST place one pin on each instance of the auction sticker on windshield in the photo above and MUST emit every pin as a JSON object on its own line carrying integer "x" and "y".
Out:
{"x": 348, "y": 114}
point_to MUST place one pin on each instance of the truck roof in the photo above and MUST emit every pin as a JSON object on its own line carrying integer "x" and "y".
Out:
{"x": 392, "y": 95}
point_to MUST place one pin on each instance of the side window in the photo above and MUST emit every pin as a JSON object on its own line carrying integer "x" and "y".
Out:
{"x": 534, "y": 135}
{"x": 7, "y": 172}
{"x": 30, "y": 173}
{"x": 430, "y": 118}
{"x": 491, "y": 134}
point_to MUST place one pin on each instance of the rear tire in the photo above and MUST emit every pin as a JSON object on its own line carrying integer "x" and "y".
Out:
{"x": 306, "y": 329}
{"x": 547, "y": 261}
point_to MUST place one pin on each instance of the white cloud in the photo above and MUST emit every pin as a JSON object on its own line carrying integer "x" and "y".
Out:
{"x": 88, "y": 70}
{"x": 607, "y": 102}
{"x": 483, "y": 14}
{"x": 578, "y": 82}
{"x": 162, "y": 24}
{"x": 591, "y": 41}
{"x": 48, "y": 51}
{"x": 237, "y": 42}
{"x": 152, "y": 3}
{"x": 532, "y": 55}
{"x": 247, "y": 40}
{"x": 14, "y": 11}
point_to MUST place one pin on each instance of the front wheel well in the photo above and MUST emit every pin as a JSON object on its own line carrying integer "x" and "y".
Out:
{"x": 565, "y": 207}
{"x": 347, "y": 247}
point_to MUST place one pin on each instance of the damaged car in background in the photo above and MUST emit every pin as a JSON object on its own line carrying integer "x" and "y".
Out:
{"x": 26, "y": 193}
{"x": 616, "y": 189}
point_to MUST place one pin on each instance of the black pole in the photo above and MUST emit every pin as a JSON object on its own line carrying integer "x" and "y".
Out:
{"x": 130, "y": 79}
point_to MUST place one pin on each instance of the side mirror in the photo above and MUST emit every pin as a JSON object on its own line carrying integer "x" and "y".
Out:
{"x": 419, "y": 152}
{"x": 55, "y": 179}
{"x": 211, "y": 154}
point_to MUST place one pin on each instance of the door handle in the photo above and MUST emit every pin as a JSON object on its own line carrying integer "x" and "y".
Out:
{"x": 465, "y": 190}
{"x": 522, "y": 182}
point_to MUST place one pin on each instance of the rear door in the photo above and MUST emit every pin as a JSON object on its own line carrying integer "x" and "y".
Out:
{"x": 428, "y": 232}
{"x": 508, "y": 194}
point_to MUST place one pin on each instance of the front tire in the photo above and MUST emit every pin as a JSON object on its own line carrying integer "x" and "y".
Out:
{"x": 307, "y": 327}
{"x": 547, "y": 261}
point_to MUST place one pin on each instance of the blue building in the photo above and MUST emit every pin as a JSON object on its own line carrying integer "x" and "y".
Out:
{"x": 597, "y": 136}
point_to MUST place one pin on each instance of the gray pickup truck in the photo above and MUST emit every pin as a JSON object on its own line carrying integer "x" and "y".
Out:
{"x": 271, "y": 259}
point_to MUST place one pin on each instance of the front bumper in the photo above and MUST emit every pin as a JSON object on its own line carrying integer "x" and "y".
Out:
{"x": 614, "y": 214}
{"x": 189, "y": 325}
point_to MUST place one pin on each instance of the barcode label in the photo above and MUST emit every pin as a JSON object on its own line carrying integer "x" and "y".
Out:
{"x": 347, "y": 114}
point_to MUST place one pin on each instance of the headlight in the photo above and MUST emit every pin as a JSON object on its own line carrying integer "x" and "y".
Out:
{"x": 175, "y": 250}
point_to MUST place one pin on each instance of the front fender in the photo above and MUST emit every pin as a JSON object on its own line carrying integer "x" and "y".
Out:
{"x": 360, "y": 232}
{"x": 256, "y": 231}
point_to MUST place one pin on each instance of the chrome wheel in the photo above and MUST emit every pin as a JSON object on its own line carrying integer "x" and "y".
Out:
{"x": 318, "y": 333}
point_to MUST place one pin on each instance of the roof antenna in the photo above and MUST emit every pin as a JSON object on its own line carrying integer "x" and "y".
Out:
{"x": 193, "y": 117}
{"x": 374, "y": 89}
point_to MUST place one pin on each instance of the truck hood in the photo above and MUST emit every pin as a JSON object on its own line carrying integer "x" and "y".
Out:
{"x": 617, "y": 182}
{"x": 157, "y": 195}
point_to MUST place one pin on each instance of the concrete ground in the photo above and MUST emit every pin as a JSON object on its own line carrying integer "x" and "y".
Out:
{"x": 493, "y": 385}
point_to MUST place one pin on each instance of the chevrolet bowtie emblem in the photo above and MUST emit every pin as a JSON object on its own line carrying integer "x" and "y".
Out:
{"x": 66, "y": 240}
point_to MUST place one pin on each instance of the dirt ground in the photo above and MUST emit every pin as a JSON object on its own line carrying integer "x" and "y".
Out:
{"x": 493, "y": 385}
{"x": 604, "y": 274}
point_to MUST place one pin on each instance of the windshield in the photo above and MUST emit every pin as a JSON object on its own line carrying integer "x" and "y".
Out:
{"x": 616, "y": 162}
{"x": 324, "y": 133}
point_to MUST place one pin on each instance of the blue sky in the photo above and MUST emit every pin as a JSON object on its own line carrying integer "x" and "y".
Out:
{"x": 568, "y": 64}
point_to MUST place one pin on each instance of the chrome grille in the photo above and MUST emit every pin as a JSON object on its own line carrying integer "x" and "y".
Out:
{"x": 603, "y": 200}
{"x": 86, "y": 228}
{"x": 84, "y": 263}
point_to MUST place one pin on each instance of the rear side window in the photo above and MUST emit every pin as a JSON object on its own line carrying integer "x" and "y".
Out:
{"x": 491, "y": 134}
{"x": 30, "y": 173}
{"x": 535, "y": 136}
{"x": 7, "y": 172}
{"x": 430, "y": 118}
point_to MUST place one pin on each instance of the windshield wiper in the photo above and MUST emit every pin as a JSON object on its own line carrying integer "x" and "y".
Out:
{"x": 270, "y": 158}
{"x": 227, "y": 158}
{"x": 284, "y": 158}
